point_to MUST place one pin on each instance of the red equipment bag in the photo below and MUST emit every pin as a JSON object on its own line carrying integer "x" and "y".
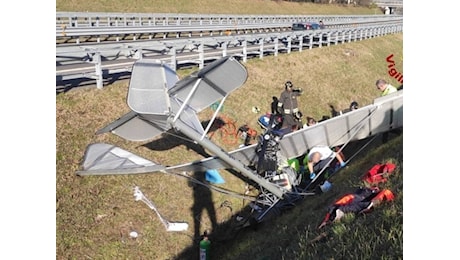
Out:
{"x": 379, "y": 172}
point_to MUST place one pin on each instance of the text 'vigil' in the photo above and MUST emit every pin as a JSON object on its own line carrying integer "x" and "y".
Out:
{"x": 392, "y": 70}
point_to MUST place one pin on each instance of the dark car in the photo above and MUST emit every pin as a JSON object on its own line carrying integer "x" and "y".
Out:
{"x": 306, "y": 26}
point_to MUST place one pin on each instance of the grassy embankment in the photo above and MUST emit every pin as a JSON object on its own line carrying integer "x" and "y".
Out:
{"x": 95, "y": 214}
{"x": 209, "y": 7}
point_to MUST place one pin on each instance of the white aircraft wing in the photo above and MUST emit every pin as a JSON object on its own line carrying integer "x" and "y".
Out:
{"x": 383, "y": 115}
{"x": 156, "y": 94}
{"x": 215, "y": 81}
{"x": 102, "y": 159}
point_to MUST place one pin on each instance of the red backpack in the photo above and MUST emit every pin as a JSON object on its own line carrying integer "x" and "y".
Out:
{"x": 378, "y": 173}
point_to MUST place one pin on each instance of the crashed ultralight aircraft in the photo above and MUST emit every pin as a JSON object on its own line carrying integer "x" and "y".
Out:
{"x": 160, "y": 102}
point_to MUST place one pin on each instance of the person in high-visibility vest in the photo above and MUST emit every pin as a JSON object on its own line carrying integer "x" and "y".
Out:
{"x": 385, "y": 87}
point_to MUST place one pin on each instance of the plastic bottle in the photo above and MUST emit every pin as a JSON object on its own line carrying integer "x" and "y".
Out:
{"x": 205, "y": 245}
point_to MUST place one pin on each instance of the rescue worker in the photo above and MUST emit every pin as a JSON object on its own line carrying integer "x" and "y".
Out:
{"x": 288, "y": 106}
{"x": 318, "y": 158}
{"x": 385, "y": 87}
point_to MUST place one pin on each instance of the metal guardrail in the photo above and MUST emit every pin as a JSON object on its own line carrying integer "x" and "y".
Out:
{"x": 67, "y": 54}
{"x": 85, "y": 19}
{"x": 73, "y": 54}
{"x": 201, "y": 50}
{"x": 190, "y": 29}
{"x": 104, "y": 27}
{"x": 391, "y": 3}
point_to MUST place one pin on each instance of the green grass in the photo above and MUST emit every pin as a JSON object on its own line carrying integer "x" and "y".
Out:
{"x": 377, "y": 235}
{"x": 94, "y": 214}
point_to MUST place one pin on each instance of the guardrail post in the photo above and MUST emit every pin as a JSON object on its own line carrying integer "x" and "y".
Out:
{"x": 201, "y": 55}
{"x": 276, "y": 46}
{"x": 98, "y": 67}
{"x": 173, "y": 58}
{"x": 224, "y": 49}
{"x": 289, "y": 44}
{"x": 261, "y": 49}
{"x": 300, "y": 43}
{"x": 245, "y": 51}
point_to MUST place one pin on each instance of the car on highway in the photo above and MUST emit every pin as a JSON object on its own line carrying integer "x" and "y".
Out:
{"x": 300, "y": 26}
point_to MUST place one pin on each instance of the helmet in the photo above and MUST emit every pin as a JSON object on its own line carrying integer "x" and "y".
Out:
{"x": 298, "y": 115}
{"x": 354, "y": 105}
{"x": 288, "y": 84}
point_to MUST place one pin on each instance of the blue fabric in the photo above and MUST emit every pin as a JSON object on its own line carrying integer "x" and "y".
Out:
{"x": 342, "y": 164}
{"x": 213, "y": 176}
{"x": 326, "y": 186}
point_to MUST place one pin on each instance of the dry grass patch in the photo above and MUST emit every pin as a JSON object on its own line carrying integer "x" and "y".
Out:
{"x": 208, "y": 7}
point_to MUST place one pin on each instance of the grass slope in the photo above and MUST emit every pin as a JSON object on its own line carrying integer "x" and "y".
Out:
{"x": 209, "y": 7}
{"x": 294, "y": 235}
{"x": 94, "y": 214}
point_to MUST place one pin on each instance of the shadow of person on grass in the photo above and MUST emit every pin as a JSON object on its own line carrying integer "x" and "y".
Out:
{"x": 173, "y": 139}
{"x": 202, "y": 201}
